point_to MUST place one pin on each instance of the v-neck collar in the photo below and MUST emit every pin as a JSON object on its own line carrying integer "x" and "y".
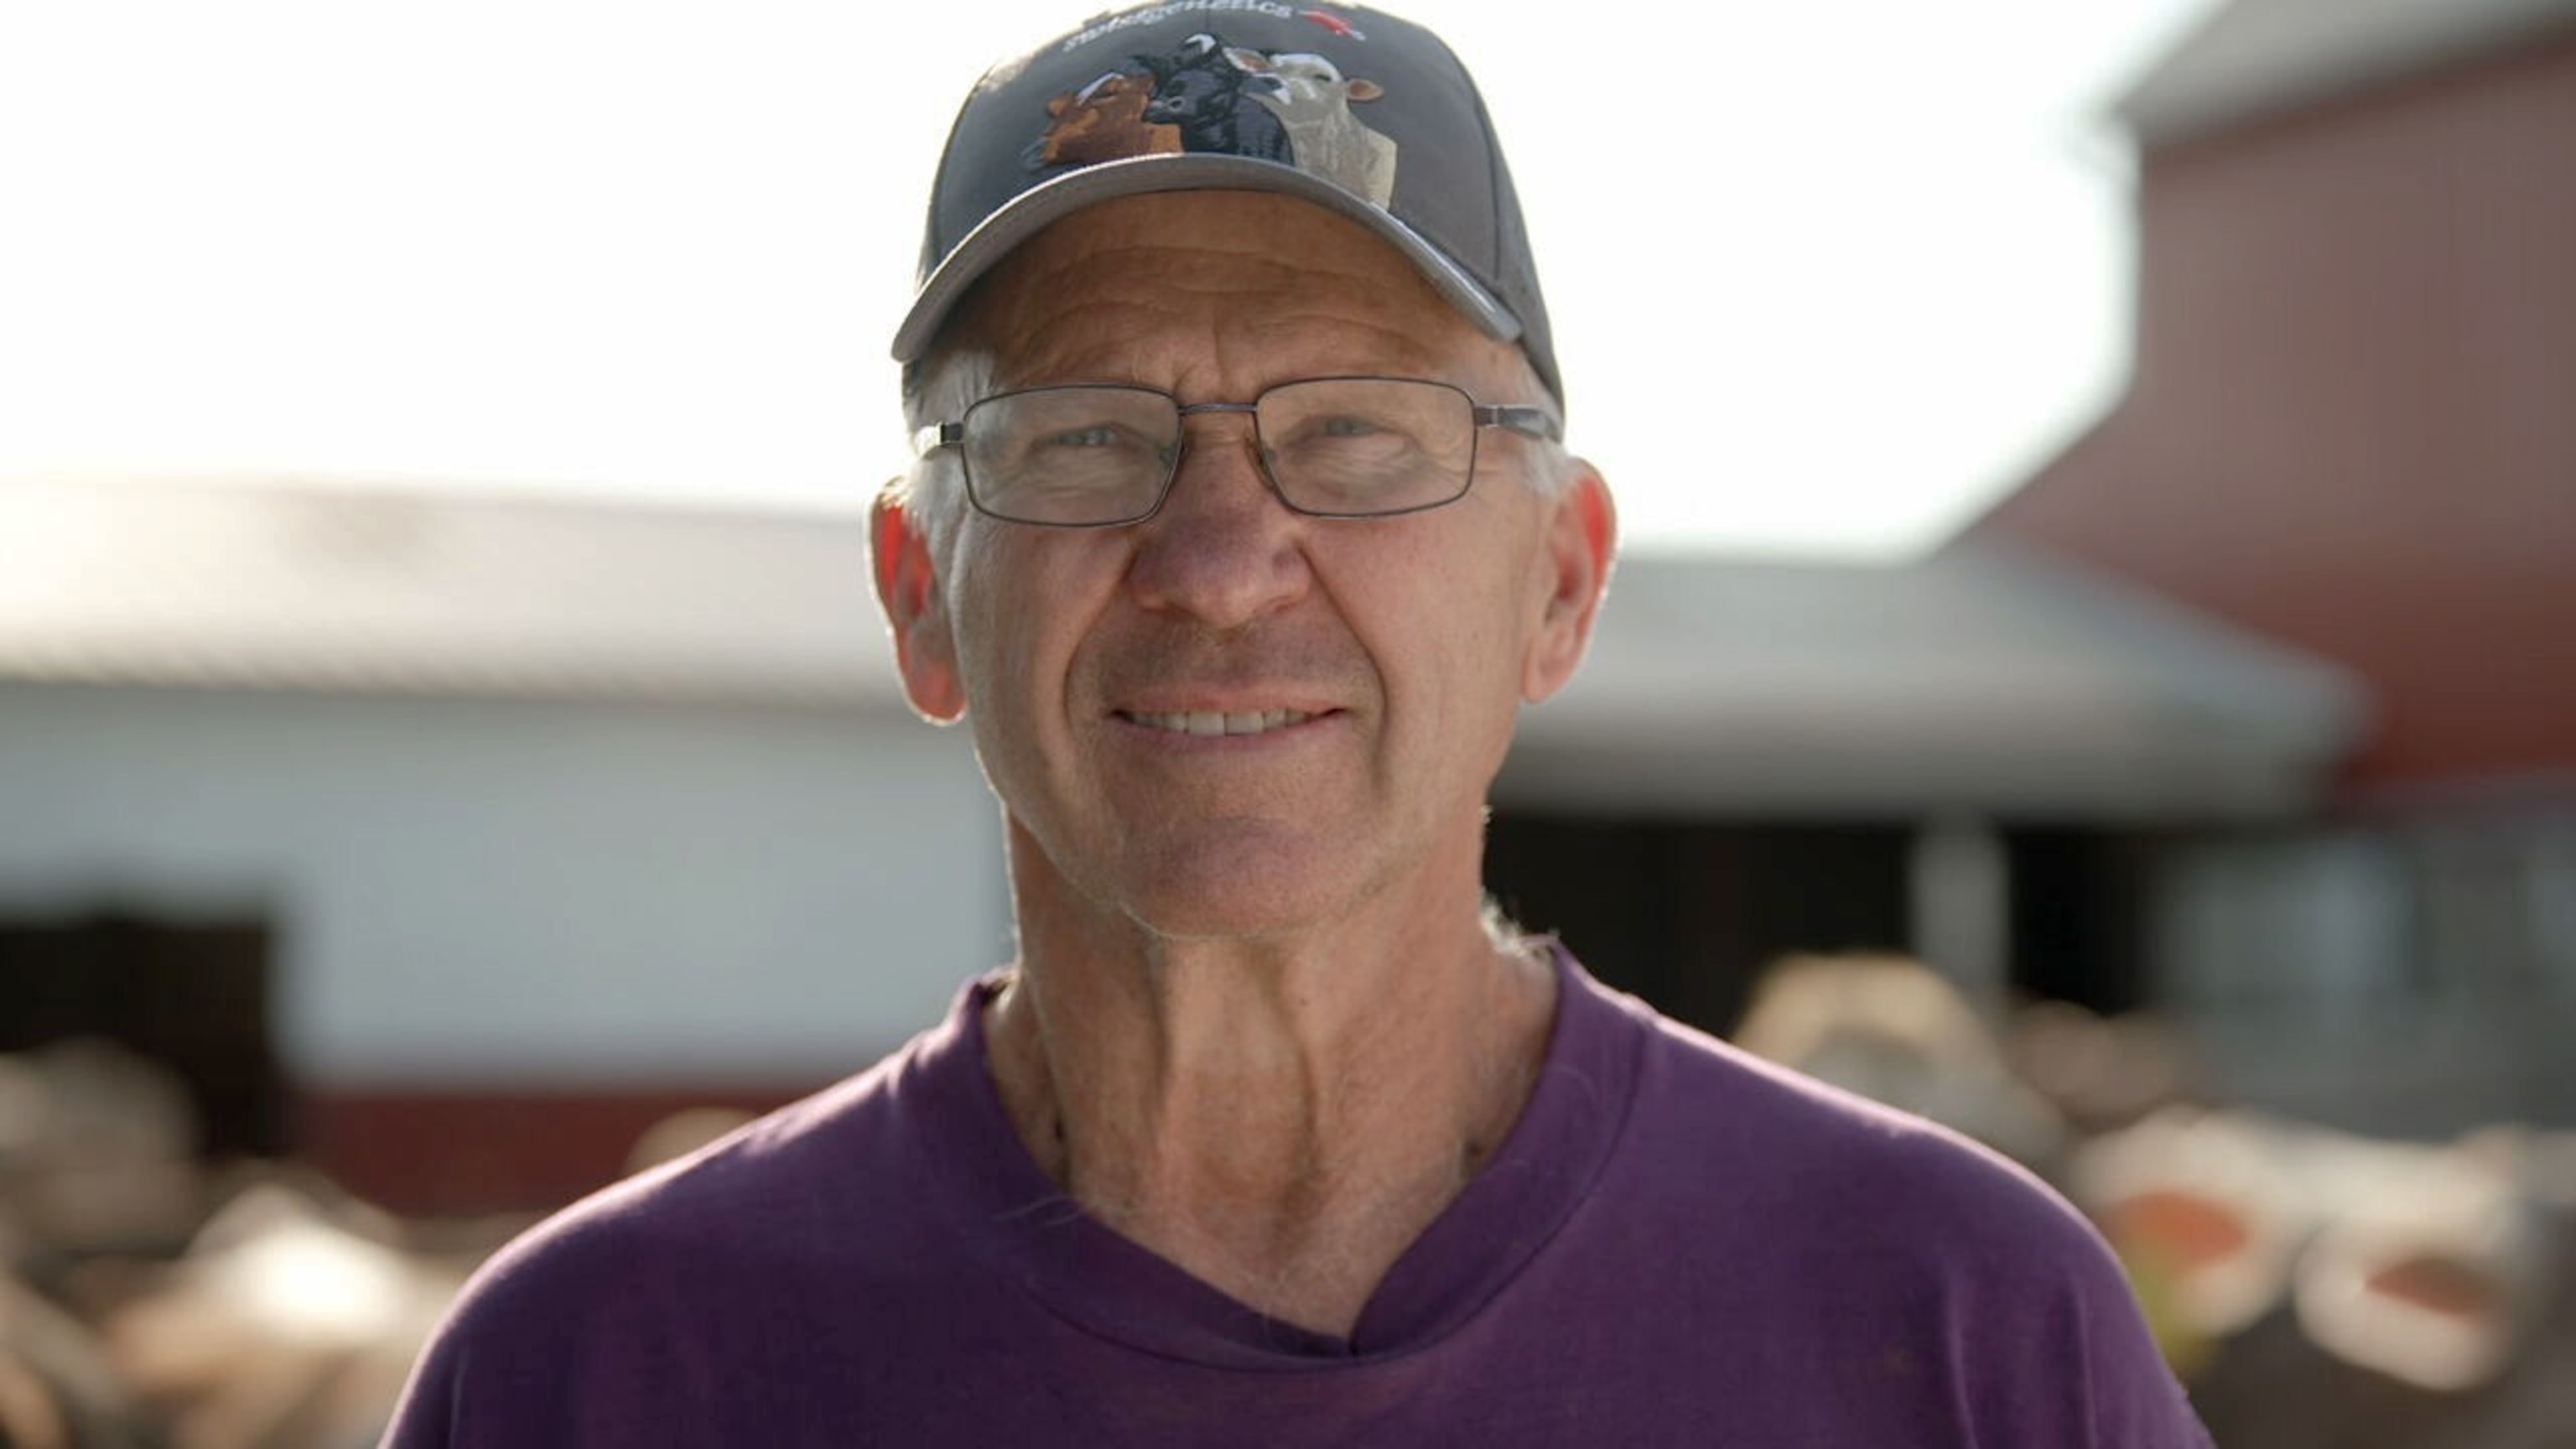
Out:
{"x": 1100, "y": 1281}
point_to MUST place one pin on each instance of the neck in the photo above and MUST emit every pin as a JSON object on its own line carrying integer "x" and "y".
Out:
{"x": 1280, "y": 1116}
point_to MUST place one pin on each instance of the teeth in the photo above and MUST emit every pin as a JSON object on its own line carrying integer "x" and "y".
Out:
{"x": 1210, "y": 722}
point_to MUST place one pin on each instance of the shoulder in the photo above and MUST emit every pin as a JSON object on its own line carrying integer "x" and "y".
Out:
{"x": 1848, "y": 1222}
{"x": 594, "y": 1325}
{"x": 789, "y": 1184}
{"x": 1788, "y": 1141}
{"x": 654, "y": 1224}
{"x": 771, "y": 1174}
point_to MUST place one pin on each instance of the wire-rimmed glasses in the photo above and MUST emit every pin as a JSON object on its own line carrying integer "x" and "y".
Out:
{"x": 1092, "y": 455}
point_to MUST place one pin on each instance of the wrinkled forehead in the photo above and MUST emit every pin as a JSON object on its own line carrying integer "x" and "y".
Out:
{"x": 1156, "y": 287}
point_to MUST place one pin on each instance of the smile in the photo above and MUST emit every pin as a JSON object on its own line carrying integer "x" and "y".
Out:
{"x": 1210, "y": 722}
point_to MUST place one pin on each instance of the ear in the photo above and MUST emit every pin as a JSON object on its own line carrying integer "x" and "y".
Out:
{"x": 1582, "y": 537}
{"x": 925, "y": 651}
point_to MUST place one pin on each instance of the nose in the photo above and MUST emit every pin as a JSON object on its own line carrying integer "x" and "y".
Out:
{"x": 1223, "y": 549}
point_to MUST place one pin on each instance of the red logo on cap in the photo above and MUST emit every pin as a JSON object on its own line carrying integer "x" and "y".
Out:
{"x": 1333, "y": 23}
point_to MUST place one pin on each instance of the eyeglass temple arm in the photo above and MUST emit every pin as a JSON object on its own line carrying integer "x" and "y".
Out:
{"x": 1521, "y": 418}
{"x": 931, "y": 437}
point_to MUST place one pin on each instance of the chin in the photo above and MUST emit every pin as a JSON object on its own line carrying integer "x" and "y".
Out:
{"x": 1241, "y": 888}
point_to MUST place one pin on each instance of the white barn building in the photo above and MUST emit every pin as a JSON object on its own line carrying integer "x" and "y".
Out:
{"x": 488, "y": 828}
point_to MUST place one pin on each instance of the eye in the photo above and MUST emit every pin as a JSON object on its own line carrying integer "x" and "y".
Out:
{"x": 1352, "y": 434}
{"x": 1098, "y": 435}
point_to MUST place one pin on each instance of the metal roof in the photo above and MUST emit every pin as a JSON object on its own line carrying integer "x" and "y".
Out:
{"x": 1978, "y": 678}
{"x": 2252, "y": 59}
{"x": 300, "y": 586}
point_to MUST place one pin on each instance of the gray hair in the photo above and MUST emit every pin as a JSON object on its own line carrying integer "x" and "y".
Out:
{"x": 938, "y": 387}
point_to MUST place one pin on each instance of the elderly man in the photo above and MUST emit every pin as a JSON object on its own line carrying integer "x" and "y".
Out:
{"x": 1239, "y": 534}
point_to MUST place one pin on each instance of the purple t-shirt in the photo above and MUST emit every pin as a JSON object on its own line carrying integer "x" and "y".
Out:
{"x": 1677, "y": 1244}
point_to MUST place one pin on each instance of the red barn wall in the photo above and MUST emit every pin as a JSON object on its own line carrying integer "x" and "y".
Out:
{"x": 2353, "y": 420}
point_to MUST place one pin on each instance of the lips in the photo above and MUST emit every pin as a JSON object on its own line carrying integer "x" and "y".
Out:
{"x": 1212, "y": 722}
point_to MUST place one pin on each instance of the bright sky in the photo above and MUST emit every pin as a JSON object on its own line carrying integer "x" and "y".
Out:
{"x": 1826, "y": 278}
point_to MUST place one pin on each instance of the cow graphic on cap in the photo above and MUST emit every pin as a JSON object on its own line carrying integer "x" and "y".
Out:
{"x": 1209, "y": 97}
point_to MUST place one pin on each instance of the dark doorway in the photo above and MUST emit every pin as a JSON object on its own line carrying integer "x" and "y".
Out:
{"x": 192, "y": 995}
{"x": 2077, "y": 917}
{"x": 1687, "y": 915}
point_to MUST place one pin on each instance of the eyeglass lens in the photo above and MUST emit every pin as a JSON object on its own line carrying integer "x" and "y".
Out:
{"x": 1350, "y": 447}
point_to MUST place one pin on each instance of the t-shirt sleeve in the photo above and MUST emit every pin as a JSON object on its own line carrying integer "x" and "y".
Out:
{"x": 2052, "y": 1346}
{"x": 421, "y": 1419}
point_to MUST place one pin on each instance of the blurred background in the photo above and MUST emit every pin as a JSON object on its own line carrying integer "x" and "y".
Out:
{"x": 2095, "y": 663}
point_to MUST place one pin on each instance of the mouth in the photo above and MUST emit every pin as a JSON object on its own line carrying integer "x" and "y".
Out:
{"x": 1212, "y": 722}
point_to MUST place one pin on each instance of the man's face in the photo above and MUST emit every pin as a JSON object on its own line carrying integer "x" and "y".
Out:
{"x": 1385, "y": 657}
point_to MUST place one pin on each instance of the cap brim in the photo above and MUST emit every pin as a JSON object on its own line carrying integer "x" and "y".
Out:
{"x": 1051, "y": 201}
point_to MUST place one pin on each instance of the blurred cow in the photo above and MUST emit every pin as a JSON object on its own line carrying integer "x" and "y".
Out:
{"x": 290, "y": 1323}
{"x": 98, "y": 1153}
{"x": 2208, "y": 1210}
{"x": 1893, "y": 1030}
{"x": 2101, "y": 1073}
{"x": 57, "y": 1389}
{"x": 2336, "y": 1292}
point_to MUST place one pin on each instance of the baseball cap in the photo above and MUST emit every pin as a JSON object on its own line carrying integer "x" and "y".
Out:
{"x": 1352, "y": 109}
